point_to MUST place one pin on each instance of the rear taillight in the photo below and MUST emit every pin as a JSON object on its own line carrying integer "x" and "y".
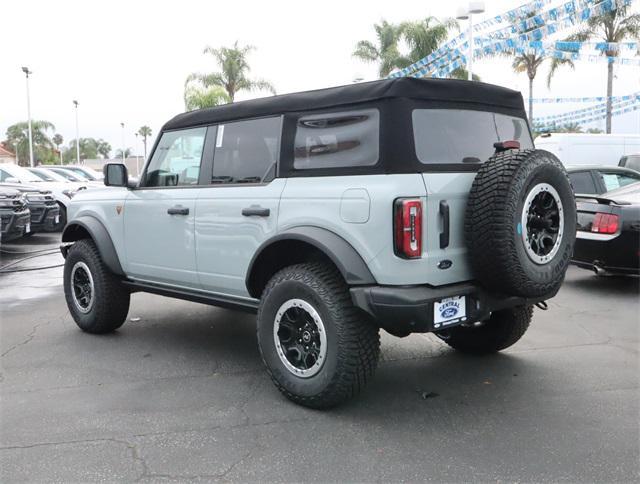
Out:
{"x": 407, "y": 227}
{"x": 605, "y": 223}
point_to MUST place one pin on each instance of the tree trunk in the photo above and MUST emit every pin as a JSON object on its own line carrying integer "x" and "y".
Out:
{"x": 609, "y": 94}
{"x": 145, "y": 148}
{"x": 531, "y": 101}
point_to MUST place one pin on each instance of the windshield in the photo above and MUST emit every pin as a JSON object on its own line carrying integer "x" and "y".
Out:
{"x": 67, "y": 175}
{"x": 22, "y": 174}
{"x": 87, "y": 173}
{"x": 42, "y": 175}
{"x": 78, "y": 173}
{"x": 450, "y": 136}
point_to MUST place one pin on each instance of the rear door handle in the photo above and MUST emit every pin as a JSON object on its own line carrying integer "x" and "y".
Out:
{"x": 178, "y": 210}
{"x": 256, "y": 211}
{"x": 444, "y": 213}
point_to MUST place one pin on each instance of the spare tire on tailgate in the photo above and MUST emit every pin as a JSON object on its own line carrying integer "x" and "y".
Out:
{"x": 520, "y": 224}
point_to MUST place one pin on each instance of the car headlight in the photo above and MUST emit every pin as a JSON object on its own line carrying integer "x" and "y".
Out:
{"x": 69, "y": 193}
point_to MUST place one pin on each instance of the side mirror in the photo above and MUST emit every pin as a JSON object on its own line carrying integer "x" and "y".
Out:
{"x": 11, "y": 179}
{"x": 115, "y": 175}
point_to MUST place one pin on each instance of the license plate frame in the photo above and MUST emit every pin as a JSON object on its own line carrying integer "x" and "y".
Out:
{"x": 449, "y": 311}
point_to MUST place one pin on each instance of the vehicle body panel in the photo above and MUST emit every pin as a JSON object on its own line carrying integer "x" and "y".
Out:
{"x": 225, "y": 240}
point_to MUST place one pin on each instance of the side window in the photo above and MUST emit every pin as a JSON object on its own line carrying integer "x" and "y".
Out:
{"x": 617, "y": 180}
{"x": 4, "y": 175}
{"x": 246, "y": 151}
{"x": 176, "y": 160}
{"x": 333, "y": 140}
{"x": 582, "y": 182}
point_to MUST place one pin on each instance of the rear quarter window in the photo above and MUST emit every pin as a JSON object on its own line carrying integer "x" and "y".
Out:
{"x": 583, "y": 182}
{"x": 450, "y": 136}
{"x": 335, "y": 140}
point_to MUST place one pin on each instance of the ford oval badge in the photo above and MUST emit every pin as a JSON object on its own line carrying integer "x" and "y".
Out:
{"x": 444, "y": 264}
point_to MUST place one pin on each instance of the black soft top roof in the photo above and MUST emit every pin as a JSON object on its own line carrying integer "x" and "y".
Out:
{"x": 441, "y": 90}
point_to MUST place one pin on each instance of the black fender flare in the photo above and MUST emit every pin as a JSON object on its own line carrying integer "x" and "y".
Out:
{"x": 98, "y": 232}
{"x": 353, "y": 268}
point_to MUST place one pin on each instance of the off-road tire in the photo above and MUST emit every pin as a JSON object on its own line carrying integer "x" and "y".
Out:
{"x": 111, "y": 303}
{"x": 353, "y": 341}
{"x": 493, "y": 230}
{"x": 501, "y": 330}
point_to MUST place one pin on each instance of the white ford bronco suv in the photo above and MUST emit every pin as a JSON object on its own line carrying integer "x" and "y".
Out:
{"x": 409, "y": 205}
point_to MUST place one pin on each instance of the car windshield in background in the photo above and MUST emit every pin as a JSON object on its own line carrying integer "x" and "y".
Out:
{"x": 446, "y": 136}
{"x": 43, "y": 175}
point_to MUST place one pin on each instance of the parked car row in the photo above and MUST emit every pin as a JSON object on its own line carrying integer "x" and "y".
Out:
{"x": 36, "y": 199}
{"x": 25, "y": 210}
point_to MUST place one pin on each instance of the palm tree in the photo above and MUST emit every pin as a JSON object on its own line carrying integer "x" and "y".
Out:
{"x": 614, "y": 26}
{"x": 103, "y": 148}
{"x": 425, "y": 37}
{"x": 197, "y": 97}
{"x": 145, "y": 132}
{"x": 233, "y": 76}
{"x": 529, "y": 63}
{"x": 58, "y": 140}
{"x": 571, "y": 128}
{"x": 127, "y": 153}
{"x": 385, "y": 51}
{"x": 18, "y": 140}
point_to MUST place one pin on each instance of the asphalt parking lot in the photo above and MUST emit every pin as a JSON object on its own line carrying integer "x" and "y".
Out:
{"x": 179, "y": 394}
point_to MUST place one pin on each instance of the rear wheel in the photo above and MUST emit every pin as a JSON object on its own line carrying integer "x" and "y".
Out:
{"x": 503, "y": 329}
{"x": 96, "y": 298}
{"x": 318, "y": 348}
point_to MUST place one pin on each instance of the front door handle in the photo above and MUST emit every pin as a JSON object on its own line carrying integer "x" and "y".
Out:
{"x": 256, "y": 210}
{"x": 178, "y": 210}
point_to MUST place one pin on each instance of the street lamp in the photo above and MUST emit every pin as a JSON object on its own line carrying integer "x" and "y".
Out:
{"x": 26, "y": 73}
{"x": 75, "y": 103}
{"x": 137, "y": 160}
{"x": 123, "y": 158}
{"x": 464, "y": 14}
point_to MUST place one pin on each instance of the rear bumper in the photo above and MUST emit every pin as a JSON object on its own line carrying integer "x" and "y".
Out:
{"x": 619, "y": 254}
{"x": 410, "y": 309}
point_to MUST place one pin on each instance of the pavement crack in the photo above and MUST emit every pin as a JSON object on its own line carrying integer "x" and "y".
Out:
{"x": 30, "y": 336}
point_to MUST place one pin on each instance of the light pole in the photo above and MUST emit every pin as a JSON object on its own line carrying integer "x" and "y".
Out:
{"x": 26, "y": 73}
{"x": 137, "y": 160}
{"x": 75, "y": 103}
{"x": 123, "y": 157}
{"x": 464, "y": 14}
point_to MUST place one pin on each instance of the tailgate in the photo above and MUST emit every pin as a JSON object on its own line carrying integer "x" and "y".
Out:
{"x": 446, "y": 192}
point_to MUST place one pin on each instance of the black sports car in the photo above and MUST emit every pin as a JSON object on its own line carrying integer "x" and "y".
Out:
{"x": 608, "y": 236}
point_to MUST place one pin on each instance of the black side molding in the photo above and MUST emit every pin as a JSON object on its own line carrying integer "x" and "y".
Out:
{"x": 219, "y": 300}
{"x": 352, "y": 267}
{"x": 79, "y": 227}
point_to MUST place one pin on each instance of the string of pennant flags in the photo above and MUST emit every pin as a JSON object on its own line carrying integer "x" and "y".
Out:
{"x": 617, "y": 112}
{"x": 451, "y": 56}
{"x": 586, "y": 112}
{"x": 555, "y": 100}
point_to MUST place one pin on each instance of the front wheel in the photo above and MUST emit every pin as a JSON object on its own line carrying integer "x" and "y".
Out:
{"x": 318, "y": 348}
{"x": 96, "y": 299}
{"x": 503, "y": 329}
